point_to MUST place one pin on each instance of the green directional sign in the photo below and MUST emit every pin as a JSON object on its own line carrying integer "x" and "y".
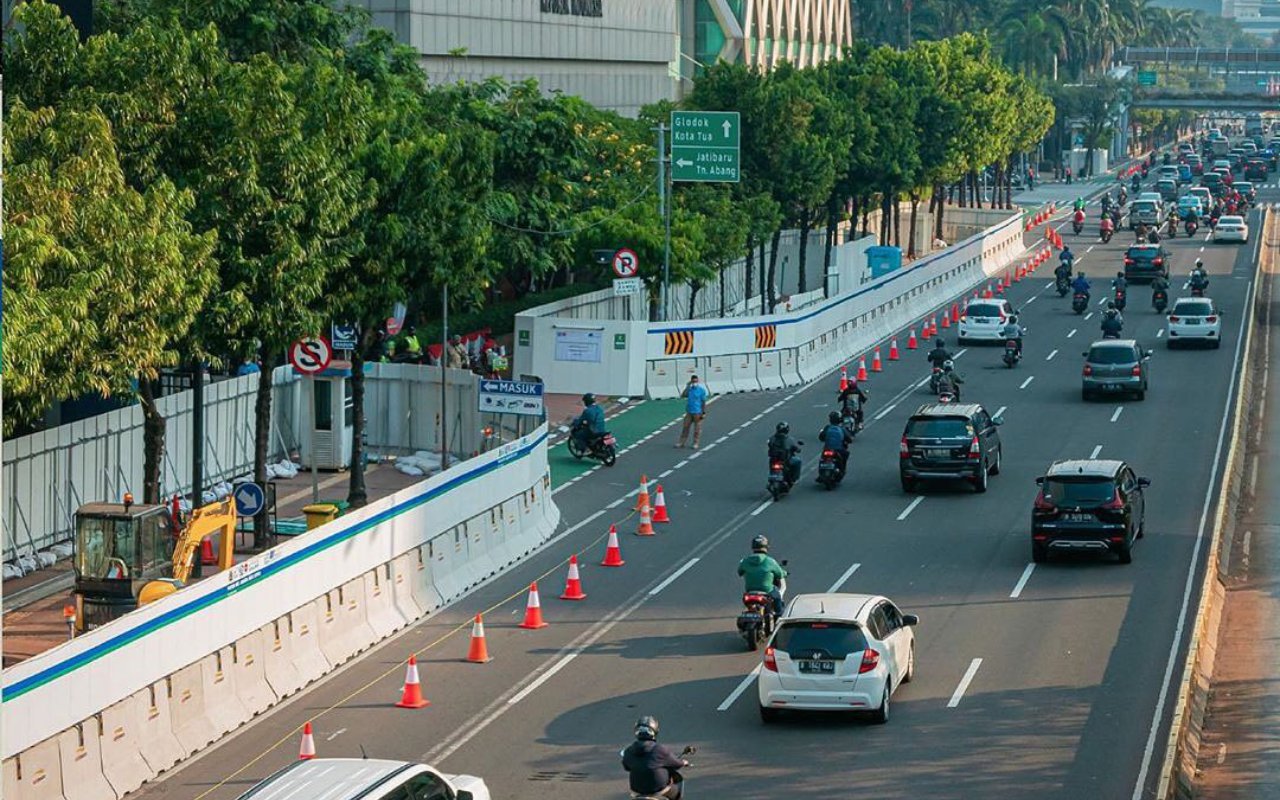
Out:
{"x": 1146, "y": 78}
{"x": 705, "y": 146}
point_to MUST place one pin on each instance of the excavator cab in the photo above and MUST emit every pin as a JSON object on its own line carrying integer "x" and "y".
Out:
{"x": 119, "y": 548}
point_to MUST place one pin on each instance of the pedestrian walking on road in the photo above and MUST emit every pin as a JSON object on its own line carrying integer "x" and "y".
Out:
{"x": 695, "y": 409}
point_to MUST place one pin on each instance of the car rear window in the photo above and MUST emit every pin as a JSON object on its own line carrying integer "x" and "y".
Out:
{"x": 1231, "y": 221}
{"x": 1111, "y": 355}
{"x": 1143, "y": 252}
{"x": 1194, "y": 308}
{"x": 830, "y": 640}
{"x": 1144, "y": 206}
{"x": 1078, "y": 491}
{"x": 983, "y": 310}
{"x": 939, "y": 427}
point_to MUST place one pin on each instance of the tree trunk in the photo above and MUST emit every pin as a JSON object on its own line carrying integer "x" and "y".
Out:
{"x": 866, "y": 217}
{"x": 764, "y": 293}
{"x": 261, "y": 441}
{"x": 937, "y": 219}
{"x": 897, "y": 222}
{"x": 722, "y": 290}
{"x": 751, "y": 268}
{"x": 806, "y": 225}
{"x": 357, "y": 494}
{"x": 152, "y": 442}
{"x": 833, "y": 226}
{"x": 976, "y": 189}
{"x": 911, "y": 233}
{"x": 769, "y": 288}
{"x": 694, "y": 288}
{"x": 886, "y": 219}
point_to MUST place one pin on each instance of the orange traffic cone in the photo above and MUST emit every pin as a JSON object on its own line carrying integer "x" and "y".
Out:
{"x": 308, "y": 749}
{"x": 862, "y": 368}
{"x": 207, "y": 558}
{"x": 660, "y": 506}
{"x": 844, "y": 378}
{"x": 642, "y": 499}
{"x": 412, "y": 697}
{"x": 955, "y": 312}
{"x": 479, "y": 651}
{"x": 946, "y": 320}
{"x": 987, "y": 294}
{"x": 876, "y": 365}
{"x": 1000, "y": 286}
{"x": 912, "y": 344}
{"x": 612, "y": 552}
{"x": 573, "y": 584}
{"x": 646, "y": 524}
{"x": 893, "y": 349}
{"x": 533, "y": 610}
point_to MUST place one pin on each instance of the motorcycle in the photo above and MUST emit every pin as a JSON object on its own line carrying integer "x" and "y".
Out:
{"x": 849, "y": 420}
{"x": 1011, "y": 354}
{"x": 1160, "y": 300}
{"x": 1197, "y": 289}
{"x": 603, "y": 448}
{"x": 946, "y": 396}
{"x": 1079, "y": 302}
{"x": 1062, "y": 285}
{"x": 1110, "y": 331}
{"x": 1172, "y": 228}
{"x": 1077, "y": 226}
{"x": 757, "y": 621}
{"x": 779, "y": 480}
{"x": 676, "y": 777}
{"x": 934, "y": 377}
{"x": 830, "y": 473}
{"x": 1191, "y": 227}
{"x": 1119, "y": 299}
{"x": 1106, "y": 234}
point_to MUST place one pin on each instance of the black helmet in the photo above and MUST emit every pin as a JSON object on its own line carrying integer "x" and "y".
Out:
{"x": 760, "y": 544}
{"x": 647, "y": 728}
{"x": 588, "y": 399}
{"x": 1119, "y": 273}
{"x": 1111, "y": 305}
{"x": 834, "y": 417}
{"x": 782, "y": 427}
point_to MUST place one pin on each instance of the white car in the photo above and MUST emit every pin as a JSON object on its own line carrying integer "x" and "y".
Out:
{"x": 837, "y": 652}
{"x": 355, "y": 778}
{"x": 1195, "y": 319}
{"x": 985, "y": 319}
{"x": 1231, "y": 229}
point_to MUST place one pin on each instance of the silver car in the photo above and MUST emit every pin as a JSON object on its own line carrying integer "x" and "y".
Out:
{"x": 1115, "y": 366}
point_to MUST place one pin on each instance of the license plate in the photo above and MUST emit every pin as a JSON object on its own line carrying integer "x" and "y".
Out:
{"x": 1078, "y": 517}
{"x": 817, "y": 667}
{"x": 1192, "y": 321}
{"x": 610, "y": 440}
{"x": 1110, "y": 387}
{"x": 934, "y": 452}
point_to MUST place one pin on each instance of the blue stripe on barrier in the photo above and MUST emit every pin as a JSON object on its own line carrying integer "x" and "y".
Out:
{"x": 132, "y": 635}
{"x": 785, "y": 320}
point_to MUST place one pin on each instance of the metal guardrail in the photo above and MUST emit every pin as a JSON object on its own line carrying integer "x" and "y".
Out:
{"x": 1200, "y": 56}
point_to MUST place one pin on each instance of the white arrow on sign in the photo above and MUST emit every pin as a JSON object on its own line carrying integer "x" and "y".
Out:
{"x": 682, "y": 163}
{"x": 248, "y": 501}
{"x": 727, "y": 127}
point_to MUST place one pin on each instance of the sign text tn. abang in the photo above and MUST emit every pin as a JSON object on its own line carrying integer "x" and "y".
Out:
{"x": 578, "y": 8}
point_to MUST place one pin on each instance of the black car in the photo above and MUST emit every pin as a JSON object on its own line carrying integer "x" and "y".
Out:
{"x": 1088, "y": 505}
{"x": 1214, "y": 183}
{"x": 950, "y": 441}
{"x": 1256, "y": 170}
{"x": 1145, "y": 262}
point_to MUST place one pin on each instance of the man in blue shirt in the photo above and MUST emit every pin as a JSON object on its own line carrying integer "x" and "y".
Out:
{"x": 589, "y": 425}
{"x": 695, "y": 409}
{"x": 835, "y": 437}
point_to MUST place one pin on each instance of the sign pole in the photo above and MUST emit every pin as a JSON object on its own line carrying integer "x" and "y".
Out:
{"x": 662, "y": 210}
{"x": 444, "y": 380}
{"x": 315, "y": 469}
{"x": 666, "y": 236}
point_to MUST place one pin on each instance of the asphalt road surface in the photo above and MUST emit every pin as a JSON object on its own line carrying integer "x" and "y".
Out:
{"x": 1070, "y": 697}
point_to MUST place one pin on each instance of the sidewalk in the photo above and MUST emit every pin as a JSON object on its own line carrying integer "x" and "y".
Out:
{"x": 1240, "y": 745}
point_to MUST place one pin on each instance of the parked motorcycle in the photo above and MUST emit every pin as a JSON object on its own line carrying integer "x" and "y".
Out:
{"x": 603, "y": 448}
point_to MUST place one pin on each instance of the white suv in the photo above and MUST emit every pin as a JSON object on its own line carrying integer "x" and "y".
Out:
{"x": 985, "y": 319}
{"x": 1195, "y": 319}
{"x": 837, "y": 652}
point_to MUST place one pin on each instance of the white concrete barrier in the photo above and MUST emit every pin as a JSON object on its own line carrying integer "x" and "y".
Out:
{"x": 419, "y": 575}
{"x": 660, "y": 379}
{"x": 717, "y": 374}
{"x": 80, "y": 756}
{"x": 344, "y": 628}
{"x": 403, "y": 597}
{"x": 35, "y": 774}
{"x": 193, "y": 728}
{"x": 156, "y": 740}
{"x": 479, "y": 546}
{"x": 249, "y": 663}
{"x": 742, "y": 373}
{"x": 446, "y": 552}
{"x": 305, "y": 650}
{"x": 379, "y": 603}
{"x": 769, "y": 370}
{"x": 222, "y": 706}
{"x": 122, "y": 762}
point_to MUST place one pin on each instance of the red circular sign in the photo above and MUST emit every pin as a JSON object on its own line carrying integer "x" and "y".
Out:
{"x": 310, "y": 355}
{"x": 626, "y": 263}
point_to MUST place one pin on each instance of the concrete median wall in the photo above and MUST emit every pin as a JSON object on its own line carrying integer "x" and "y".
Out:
{"x": 807, "y": 344}
{"x": 103, "y": 713}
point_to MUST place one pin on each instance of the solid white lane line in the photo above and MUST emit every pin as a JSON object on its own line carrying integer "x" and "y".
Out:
{"x": 885, "y": 411}
{"x": 1073, "y": 333}
{"x": 616, "y": 503}
{"x": 1119, "y": 411}
{"x": 1030, "y": 300}
{"x": 911, "y": 507}
{"x": 1022, "y": 582}
{"x": 1000, "y": 410}
{"x": 672, "y": 577}
{"x": 543, "y": 678}
{"x": 1050, "y": 356}
{"x": 762, "y": 507}
{"x": 921, "y": 383}
{"x": 1025, "y": 383}
{"x": 962, "y": 352}
{"x": 964, "y": 683}
{"x": 742, "y": 687}
{"x": 1095, "y": 452}
{"x": 1160, "y": 333}
{"x": 835, "y": 587}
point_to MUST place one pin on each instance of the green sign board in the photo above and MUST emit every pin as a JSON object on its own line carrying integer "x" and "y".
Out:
{"x": 1146, "y": 78}
{"x": 619, "y": 341}
{"x": 524, "y": 338}
{"x": 705, "y": 146}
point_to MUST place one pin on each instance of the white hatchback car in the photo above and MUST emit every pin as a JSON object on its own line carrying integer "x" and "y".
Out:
{"x": 837, "y": 652}
{"x": 1231, "y": 229}
{"x": 1195, "y": 319}
{"x": 985, "y": 319}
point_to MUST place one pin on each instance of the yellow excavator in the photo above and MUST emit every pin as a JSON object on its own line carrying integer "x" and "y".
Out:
{"x": 128, "y": 554}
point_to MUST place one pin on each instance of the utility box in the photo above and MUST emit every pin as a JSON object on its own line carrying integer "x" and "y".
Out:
{"x": 882, "y": 260}
{"x": 327, "y": 419}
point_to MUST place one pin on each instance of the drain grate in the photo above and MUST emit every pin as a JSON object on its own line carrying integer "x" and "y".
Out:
{"x": 564, "y": 777}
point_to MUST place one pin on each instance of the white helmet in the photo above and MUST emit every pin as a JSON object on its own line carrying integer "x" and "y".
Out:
{"x": 948, "y": 364}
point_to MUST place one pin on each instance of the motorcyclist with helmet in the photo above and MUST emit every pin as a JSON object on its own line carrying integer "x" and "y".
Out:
{"x": 761, "y": 574}
{"x": 1112, "y": 322}
{"x": 1199, "y": 278}
{"x": 1066, "y": 260}
{"x": 938, "y": 356}
{"x": 949, "y": 381}
{"x": 845, "y": 397}
{"x": 651, "y": 767}
{"x": 1080, "y": 285}
{"x": 589, "y": 426}
{"x": 786, "y": 449}
{"x": 834, "y": 437}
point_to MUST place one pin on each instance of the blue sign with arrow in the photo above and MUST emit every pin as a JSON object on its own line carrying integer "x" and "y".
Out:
{"x": 344, "y": 336}
{"x": 511, "y": 397}
{"x": 249, "y": 499}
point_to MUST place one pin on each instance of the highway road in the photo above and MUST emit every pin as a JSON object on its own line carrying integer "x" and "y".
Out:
{"x": 1044, "y": 681}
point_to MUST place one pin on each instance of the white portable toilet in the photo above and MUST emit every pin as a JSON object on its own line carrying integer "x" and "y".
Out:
{"x": 327, "y": 420}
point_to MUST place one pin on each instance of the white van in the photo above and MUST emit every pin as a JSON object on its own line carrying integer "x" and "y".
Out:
{"x": 365, "y": 779}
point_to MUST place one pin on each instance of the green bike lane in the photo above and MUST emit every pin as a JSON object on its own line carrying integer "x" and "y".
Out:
{"x": 636, "y": 422}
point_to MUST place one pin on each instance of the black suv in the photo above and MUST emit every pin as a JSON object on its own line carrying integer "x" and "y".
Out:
{"x": 1142, "y": 262}
{"x": 956, "y": 441}
{"x": 1094, "y": 505}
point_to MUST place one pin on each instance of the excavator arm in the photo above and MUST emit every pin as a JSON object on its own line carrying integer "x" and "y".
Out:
{"x": 215, "y": 517}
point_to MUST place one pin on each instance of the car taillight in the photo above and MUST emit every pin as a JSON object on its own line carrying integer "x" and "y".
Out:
{"x": 870, "y": 658}
{"x": 1042, "y": 504}
{"x": 1116, "y": 503}
{"x": 1128, "y": 260}
{"x": 1088, "y": 370}
{"x": 975, "y": 449}
{"x": 1136, "y": 371}
{"x": 770, "y": 661}
{"x": 1157, "y": 261}
{"x": 1210, "y": 319}
{"x": 1173, "y": 318}
{"x": 904, "y": 451}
